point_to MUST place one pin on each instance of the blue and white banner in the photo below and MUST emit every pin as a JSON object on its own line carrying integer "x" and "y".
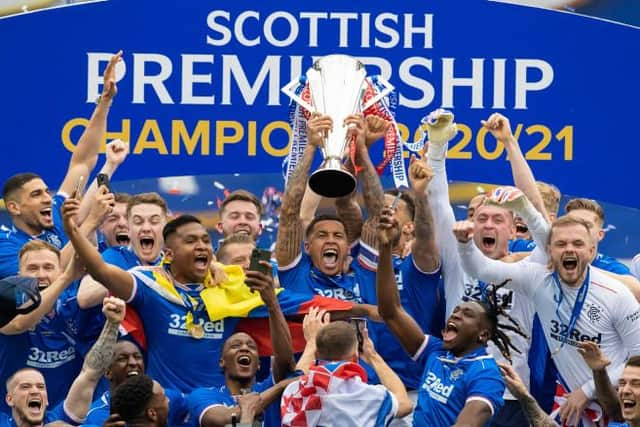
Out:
{"x": 199, "y": 85}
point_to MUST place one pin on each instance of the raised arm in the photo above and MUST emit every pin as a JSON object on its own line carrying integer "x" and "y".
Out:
{"x": 401, "y": 324}
{"x": 534, "y": 413}
{"x": 85, "y": 155}
{"x": 442, "y": 128}
{"x": 290, "y": 231}
{"x": 118, "y": 281}
{"x": 424, "y": 249}
{"x": 499, "y": 126}
{"x": 313, "y": 321}
{"x": 309, "y": 206}
{"x": 96, "y": 362}
{"x": 371, "y": 185}
{"x": 117, "y": 151}
{"x": 49, "y": 296}
{"x": 388, "y": 378}
{"x": 605, "y": 392}
{"x": 101, "y": 203}
{"x": 279, "y": 329}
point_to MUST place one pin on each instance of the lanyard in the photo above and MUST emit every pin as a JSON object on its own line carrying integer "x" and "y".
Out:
{"x": 195, "y": 306}
{"x": 577, "y": 306}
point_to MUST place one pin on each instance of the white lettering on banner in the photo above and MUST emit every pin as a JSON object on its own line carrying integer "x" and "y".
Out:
{"x": 523, "y": 86}
{"x": 50, "y": 359}
{"x": 274, "y": 72}
{"x": 227, "y": 76}
{"x": 436, "y": 389}
{"x": 388, "y": 28}
{"x": 189, "y": 78}
{"x": 156, "y": 81}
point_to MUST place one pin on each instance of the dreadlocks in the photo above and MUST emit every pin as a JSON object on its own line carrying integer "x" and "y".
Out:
{"x": 494, "y": 308}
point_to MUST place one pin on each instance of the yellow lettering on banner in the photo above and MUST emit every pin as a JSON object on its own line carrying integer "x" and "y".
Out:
{"x": 179, "y": 132}
{"x": 124, "y": 134}
{"x": 566, "y": 135}
{"x": 457, "y": 150}
{"x": 536, "y": 153}
{"x": 482, "y": 148}
{"x": 157, "y": 143}
{"x": 265, "y": 138}
{"x": 222, "y": 138}
{"x": 251, "y": 138}
{"x": 68, "y": 128}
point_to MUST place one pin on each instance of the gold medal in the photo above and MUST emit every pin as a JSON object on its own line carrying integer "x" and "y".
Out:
{"x": 196, "y": 331}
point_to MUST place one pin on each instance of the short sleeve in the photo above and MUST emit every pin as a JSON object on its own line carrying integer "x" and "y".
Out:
{"x": 487, "y": 386}
{"x": 59, "y": 413}
{"x": 428, "y": 346}
{"x": 201, "y": 399}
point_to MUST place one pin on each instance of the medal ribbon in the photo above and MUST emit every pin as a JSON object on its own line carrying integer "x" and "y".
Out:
{"x": 577, "y": 306}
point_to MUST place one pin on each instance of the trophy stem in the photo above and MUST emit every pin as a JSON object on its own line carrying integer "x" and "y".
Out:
{"x": 332, "y": 180}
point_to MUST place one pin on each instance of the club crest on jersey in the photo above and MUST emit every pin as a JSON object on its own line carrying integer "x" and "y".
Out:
{"x": 455, "y": 374}
{"x": 54, "y": 240}
{"x": 594, "y": 312}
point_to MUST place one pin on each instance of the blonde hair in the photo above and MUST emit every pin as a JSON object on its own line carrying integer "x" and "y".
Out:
{"x": 566, "y": 221}
{"x": 38, "y": 245}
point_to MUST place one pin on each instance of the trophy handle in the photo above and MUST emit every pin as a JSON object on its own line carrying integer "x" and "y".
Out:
{"x": 289, "y": 90}
{"x": 388, "y": 88}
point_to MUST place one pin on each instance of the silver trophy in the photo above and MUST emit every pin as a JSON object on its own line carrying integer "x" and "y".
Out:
{"x": 337, "y": 84}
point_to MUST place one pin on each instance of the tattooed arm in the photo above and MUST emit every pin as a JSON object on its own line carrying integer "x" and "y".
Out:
{"x": 371, "y": 186}
{"x": 424, "y": 249}
{"x": 534, "y": 413}
{"x": 290, "y": 231}
{"x": 96, "y": 362}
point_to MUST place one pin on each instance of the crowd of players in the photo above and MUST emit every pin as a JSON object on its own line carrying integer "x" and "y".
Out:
{"x": 406, "y": 317}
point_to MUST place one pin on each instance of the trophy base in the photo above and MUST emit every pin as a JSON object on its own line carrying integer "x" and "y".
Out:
{"x": 332, "y": 183}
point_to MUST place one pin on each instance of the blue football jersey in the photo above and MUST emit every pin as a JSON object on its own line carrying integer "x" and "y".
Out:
{"x": 610, "y": 264}
{"x": 12, "y": 239}
{"x": 304, "y": 278}
{"x": 51, "y": 347}
{"x": 521, "y": 245}
{"x": 178, "y": 409}
{"x": 124, "y": 257}
{"x": 174, "y": 358}
{"x": 56, "y": 414}
{"x": 449, "y": 382}
{"x": 202, "y": 399}
{"x": 420, "y": 295}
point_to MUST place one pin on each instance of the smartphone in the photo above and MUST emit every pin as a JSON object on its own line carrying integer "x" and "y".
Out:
{"x": 258, "y": 255}
{"x": 359, "y": 323}
{"x": 103, "y": 179}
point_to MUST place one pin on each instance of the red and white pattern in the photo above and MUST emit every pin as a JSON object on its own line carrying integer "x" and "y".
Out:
{"x": 336, "y": 394}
